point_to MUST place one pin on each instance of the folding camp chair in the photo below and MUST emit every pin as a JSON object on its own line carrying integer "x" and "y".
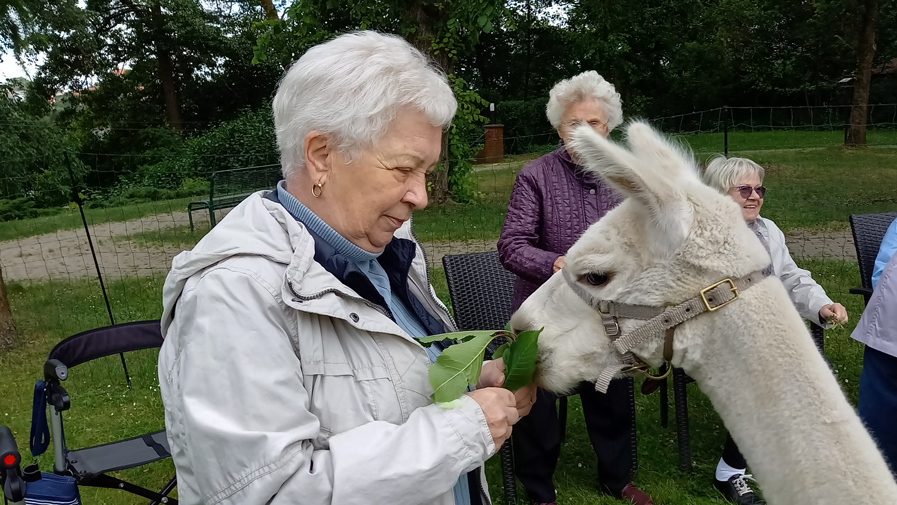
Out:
{"x": 91, "y": 466}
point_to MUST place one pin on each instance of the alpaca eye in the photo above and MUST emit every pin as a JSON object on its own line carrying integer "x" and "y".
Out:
{"x": 596, "y": 278}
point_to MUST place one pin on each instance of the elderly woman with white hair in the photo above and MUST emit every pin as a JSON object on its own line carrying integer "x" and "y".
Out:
{"x": 290, "y": 372}
{"x": 553, "y": 202}
{"x": 742, "y": 180}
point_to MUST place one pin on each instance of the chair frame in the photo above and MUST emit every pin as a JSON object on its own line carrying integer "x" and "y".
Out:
{"x": 82, "y": 348}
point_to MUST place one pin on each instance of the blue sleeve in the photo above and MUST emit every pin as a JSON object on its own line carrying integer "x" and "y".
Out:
{"x": 887, "y": 249}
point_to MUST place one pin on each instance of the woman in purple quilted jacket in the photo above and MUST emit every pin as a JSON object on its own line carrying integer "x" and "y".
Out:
{"x": 553, "y": 202}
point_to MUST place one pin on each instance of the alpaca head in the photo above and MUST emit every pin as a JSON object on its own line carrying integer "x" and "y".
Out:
{"x": 670, "y": 238}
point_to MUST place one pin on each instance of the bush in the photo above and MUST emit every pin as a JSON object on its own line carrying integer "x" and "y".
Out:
{"x": 23, "y": 208}
{"x": 525, "y": 125}
{"x": 144, "y": 194}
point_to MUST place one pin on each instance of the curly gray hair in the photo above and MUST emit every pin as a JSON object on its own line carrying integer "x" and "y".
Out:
{"x": 585, "y": 86}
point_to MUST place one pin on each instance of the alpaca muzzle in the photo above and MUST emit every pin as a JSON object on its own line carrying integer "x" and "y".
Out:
{"x": 659, "y": 321}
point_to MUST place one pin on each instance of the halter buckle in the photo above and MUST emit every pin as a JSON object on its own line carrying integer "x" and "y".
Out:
{"x": 727, "y": 302}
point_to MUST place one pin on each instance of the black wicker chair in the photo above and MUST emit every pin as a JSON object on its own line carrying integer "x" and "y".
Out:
{"x": 868, "y": 231}
{"x": 680, "y": 401}
{"x": 481, "y": 290}
{"x": 92, "y": 466}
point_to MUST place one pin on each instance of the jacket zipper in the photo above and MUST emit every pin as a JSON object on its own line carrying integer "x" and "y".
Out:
{"x": 320, "y": 294}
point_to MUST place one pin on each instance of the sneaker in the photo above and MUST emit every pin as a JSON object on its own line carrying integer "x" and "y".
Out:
{"x": 737, "y": 490}
{"x": 635, "y": 495}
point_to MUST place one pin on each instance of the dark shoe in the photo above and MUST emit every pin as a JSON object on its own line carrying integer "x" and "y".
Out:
{"x": 737, "y": 490}
{"x": 635, "y": 495}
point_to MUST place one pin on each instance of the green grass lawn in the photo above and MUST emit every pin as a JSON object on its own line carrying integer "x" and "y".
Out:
{"x": 741, "y": 141}
{"x": 103, "y": 409}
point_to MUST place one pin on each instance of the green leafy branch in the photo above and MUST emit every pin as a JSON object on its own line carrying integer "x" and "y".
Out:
{"x": 460, "y": 365}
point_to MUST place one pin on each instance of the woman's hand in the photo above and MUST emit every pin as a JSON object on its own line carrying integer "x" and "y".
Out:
{"x": 493, "y": 376}
{"x": 499, "y": 408}
{"x": 526, "y": 397}
{"x": 835, "y": 309}
{"x": 558, "y": 264}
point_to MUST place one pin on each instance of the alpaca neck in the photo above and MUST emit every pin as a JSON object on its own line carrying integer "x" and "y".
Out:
{"x": 757, "y": 363}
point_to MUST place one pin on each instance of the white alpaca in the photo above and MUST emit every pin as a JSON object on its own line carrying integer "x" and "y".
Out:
{"x": 753, "y": 357}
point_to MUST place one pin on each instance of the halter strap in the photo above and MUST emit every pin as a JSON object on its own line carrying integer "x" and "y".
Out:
{"x": 660, "y": 321}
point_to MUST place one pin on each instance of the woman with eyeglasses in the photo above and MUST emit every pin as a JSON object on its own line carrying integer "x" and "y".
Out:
{"x": 553, "y": 201}
{"x": 742, "y": 180}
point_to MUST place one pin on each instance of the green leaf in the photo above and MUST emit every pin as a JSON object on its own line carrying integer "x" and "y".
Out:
{"x": 457, "y": 367}
{"x": 488, "y": 27}
{"x": 482, "y": 20}
{"x": 501, "y": 350}
{"x": 520, "y": 360}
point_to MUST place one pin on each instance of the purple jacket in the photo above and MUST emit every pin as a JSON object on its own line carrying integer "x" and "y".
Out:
{"x": 553, "y": 202}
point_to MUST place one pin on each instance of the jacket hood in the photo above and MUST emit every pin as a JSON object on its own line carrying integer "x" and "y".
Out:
{"x": 264, "y": 228}
{"x": 255, "y": 227}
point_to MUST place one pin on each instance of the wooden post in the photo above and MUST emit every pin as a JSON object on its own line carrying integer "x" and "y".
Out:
{"x": 8, "y": 334}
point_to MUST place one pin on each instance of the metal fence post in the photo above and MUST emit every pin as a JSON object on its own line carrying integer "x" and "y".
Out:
{"x": 77, "y": 199}
{"x": 725, "y": 131}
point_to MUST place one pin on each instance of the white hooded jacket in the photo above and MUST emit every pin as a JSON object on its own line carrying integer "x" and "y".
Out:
{"x": 807, "y": 296}
{"x": 282, "y": 385}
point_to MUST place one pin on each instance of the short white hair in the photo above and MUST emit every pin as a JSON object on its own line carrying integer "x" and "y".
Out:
{"x": 723, "y": 173}
{"x": 585, "y": 86}
{"x": 351, "y": 88}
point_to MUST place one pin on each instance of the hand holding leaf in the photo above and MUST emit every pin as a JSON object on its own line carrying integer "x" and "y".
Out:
{"x": 461, "y": 364}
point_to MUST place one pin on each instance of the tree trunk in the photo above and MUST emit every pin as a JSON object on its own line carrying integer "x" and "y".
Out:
{"x": 424, "y": 17}
{"x": 166, "y": 69}
{"x": 865, "y": 50}
{"x": 8, "y": 334}
{"x": 270, "y": 11}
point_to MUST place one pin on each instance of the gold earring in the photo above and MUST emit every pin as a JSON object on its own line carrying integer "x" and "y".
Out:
{"x": 320, "y": 190}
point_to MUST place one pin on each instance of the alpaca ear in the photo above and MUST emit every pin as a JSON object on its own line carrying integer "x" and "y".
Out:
{"x": 660, "y": 191}
{"x": 661, "y": 154}
{"x": 613, "y": 163}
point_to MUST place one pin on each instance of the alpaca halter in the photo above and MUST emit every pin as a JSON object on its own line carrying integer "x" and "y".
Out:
{"x": 660, "y": 321}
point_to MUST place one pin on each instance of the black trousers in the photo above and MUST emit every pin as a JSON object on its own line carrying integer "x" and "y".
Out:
{"x": 731, "y": 455}
{"x": 537, "y": 440}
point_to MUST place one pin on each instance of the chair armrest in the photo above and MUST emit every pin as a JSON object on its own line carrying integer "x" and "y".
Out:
{"x": 861, "y": 291}
{"x": 866, "y": 292}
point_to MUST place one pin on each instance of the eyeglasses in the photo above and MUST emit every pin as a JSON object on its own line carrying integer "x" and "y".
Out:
{"x": 747, "y": 191}
{"x": 596, "y": 125}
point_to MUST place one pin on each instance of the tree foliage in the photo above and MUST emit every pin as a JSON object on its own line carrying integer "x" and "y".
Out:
{"x": 155, "y": 80}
